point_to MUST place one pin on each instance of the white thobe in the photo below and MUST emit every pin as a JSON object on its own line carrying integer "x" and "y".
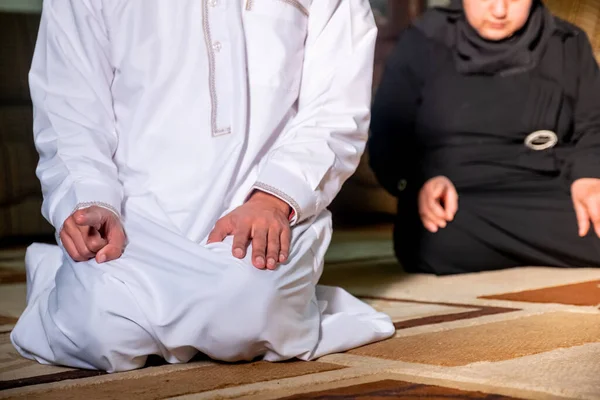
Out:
{"x": 170, "y": 113}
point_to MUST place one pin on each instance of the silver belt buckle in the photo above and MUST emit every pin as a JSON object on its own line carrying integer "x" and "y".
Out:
{"x": 541, "y": 140}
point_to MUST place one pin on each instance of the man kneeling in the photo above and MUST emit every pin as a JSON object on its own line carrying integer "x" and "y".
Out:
{"x": 188, "y": 152}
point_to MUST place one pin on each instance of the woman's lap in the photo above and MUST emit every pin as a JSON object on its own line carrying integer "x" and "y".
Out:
{"x": 495, "y": 232}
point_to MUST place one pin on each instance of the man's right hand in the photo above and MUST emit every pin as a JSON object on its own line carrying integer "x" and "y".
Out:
{"x": 93, "y": 232}
{"x": 438, "y": 203}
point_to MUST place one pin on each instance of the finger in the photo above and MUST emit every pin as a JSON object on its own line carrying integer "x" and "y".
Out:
{"x": 241, "y": 239}
{"x": 273, "y": 246}
{"x": 76, "y": 237}
{"x": 430, "y": 221}
{"x": 116, "y": 240}
{"x": 430, "y": 214}
{"x": 92, "y": 238}
{"x": 426, "y": 212}
{"x": 450, "y": 203}
{"x": 284, "y": 241}
{"x": 109, "y": 253}
{"x": 219, "y": 232}
{"x": 70, "y": 247}
{"x": 433, "y": 202}
{"x": 93, "y": 216}
{"x": 259, "y": 247}
{"x": 593, "y": 209}
{"x": 430, "y": 225}
{"x": 583, "y": 219}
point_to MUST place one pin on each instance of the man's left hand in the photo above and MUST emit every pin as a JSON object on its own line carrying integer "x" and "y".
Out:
{"x": 262, "y": 220}
{"x": 585, "y": 193}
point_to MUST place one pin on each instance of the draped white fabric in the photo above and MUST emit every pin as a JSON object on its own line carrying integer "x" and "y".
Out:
{"x": 171, "y": 113}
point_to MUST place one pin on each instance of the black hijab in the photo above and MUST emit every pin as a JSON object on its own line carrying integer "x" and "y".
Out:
{"x": 475, "y": 55}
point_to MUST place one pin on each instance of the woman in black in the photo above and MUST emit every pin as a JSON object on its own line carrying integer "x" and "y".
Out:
{"x": 486, "y": 126}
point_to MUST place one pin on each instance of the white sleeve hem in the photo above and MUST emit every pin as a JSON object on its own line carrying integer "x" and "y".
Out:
{"x": 83, "y": 195}
{"x": 289, "y": 188}
{"x": 108, "y": 207}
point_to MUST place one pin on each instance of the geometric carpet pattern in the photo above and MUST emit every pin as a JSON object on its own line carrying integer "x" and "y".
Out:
{"x": 524, "y": 333}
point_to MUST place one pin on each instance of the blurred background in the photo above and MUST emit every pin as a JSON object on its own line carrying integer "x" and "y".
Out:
{"x": 361, "y": 201}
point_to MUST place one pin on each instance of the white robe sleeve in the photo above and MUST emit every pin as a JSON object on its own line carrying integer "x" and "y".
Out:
{"x": 323, "y": 144}
{"x": 74, "y": 124}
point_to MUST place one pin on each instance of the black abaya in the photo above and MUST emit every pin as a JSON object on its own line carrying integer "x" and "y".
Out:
{"x": 515, "y": 209}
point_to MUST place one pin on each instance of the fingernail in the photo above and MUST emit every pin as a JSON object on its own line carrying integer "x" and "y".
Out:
{"x": 260, "y": 261}
{"x": 239, "y": 253}
{"x": 271, "y": 262}
{"x": 281, "y": 257}
{"x": 101, "y": 258}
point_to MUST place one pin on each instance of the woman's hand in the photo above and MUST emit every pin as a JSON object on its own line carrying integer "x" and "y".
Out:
{"x": 585, "y": 193}
{"x": 438, "y": 203}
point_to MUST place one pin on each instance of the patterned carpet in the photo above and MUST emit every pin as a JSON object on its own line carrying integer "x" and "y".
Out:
{"x": 529, "y": 333}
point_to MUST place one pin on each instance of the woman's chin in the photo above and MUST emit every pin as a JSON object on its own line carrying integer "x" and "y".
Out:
{"x": 495, "y": 35}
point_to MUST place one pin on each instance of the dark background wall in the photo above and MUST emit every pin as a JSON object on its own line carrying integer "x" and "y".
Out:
{"x": 20, "y": 197}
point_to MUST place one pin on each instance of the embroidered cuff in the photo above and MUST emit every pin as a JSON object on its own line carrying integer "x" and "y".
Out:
{"x": 108, "y": 207}
{"x": 291, "y": 189}
{"x": 83, "y": 195}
